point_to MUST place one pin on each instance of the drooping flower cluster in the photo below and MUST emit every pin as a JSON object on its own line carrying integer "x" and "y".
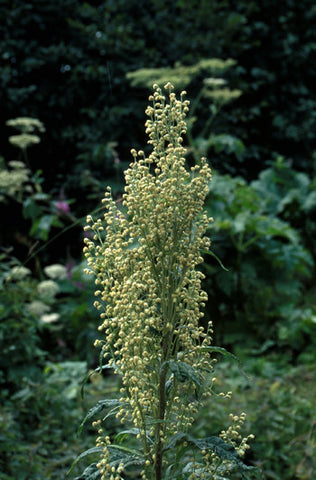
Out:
{"x": 144, "y": 253}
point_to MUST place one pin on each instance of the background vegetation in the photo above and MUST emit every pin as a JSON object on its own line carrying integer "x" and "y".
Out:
{"x": 83, "y": 69}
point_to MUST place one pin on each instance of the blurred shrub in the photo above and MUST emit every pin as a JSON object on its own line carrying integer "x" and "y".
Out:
{"x": 38, "y": 423}
{"x": 47, "y": 330}
{"x": 280, "y": 407}
{"x": 29, "y": 214}
{"x": 268, "y": 296}
{"x": 78, "y": 71}
{"x": 19, "y": 335}
{"x": 277, "y": 111}
{"x": 42, "y": 320}
{"x": 47, "y": 327}
{"x": 48, "y": 306}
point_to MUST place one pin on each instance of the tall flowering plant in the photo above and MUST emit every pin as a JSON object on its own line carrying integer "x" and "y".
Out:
{"x": 144, "y": 254}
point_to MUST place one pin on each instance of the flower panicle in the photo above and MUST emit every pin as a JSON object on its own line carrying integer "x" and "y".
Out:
{"x": 144, "y": 254}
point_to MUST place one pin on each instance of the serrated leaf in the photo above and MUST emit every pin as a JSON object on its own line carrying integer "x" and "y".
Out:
{"x": 128, "y": 456}
{"x": 220, "y": 350}
{"x": 217, "y": 445}
{"x": 83, "y": 455}
{"x": 224, "y": 352}
{"x": 98, "y": 408}
{"x": 223, "y": 450}
{"x": 183, "y": 371}
{"x": 178, "y": 436}
{"x": 118, "y": 454}
{"x": 90, "y": 473}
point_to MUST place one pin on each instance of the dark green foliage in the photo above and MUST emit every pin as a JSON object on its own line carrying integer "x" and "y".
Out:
{"x": 101, "y": 405}
{"x": 184, "y": 372}
{"x": 40, "y": 407}
{"x": 275, "y": 51}
{"x": 280, "y": 407}
{"x": 37, "y": 419}
{"x": 262, "y": 234}
{"x": 19, "y": 359}
{"x": 90, "y": 473}
{"x": 73, "y": 58}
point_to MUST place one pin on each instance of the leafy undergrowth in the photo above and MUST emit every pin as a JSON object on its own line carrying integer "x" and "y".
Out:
{"x": 39, "y": 424}
{"x": 280, "y": 405}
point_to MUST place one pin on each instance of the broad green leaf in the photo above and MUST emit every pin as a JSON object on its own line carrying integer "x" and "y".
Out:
{"x": 31, "y": 209}
{"x": 240, "y": 221}
{"x": 309, "y": 202}
{"x": 229, "y": 143}
{"x": 278, "y": 228}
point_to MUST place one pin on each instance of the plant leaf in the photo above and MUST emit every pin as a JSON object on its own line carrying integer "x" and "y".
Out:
{"x": 97, "y": 408}
{"x": 223, "y": 450}
{"x": 90, "y": 473}
{"x": 178, "y": 436}
{"x": 212, "y": 254}
{"x": 96, "y": 370}
{"x": 183, "y": 371}
{"x": 226, "y": 353}
{"x": 220, "y": 350}
{"x": 120, "y": 436}
{"x": 128, "y": 456}
{"x": 217, "y": 445}
{"x": 83, "y": 455}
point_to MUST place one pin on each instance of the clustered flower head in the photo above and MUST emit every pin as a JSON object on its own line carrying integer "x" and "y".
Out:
{"x": 144, "y": 254}
{"x": 14, "y": 180}
{"x": 48, "y": 289}
{"x": 24, "y": 140}
{"x": 26, "y": 125}
{"x": 233, "y": 435}
{"x": 18, "y": 272}
{"x": 38, "y": 308}
{"x": 56, "y": 271}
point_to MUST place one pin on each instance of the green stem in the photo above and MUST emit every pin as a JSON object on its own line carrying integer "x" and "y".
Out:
{"x": 160, "y": 424}
{"x": 144, "y": 433}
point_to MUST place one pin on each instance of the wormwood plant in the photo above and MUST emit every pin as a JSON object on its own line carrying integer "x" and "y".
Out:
{"x": 144, "y": 254}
